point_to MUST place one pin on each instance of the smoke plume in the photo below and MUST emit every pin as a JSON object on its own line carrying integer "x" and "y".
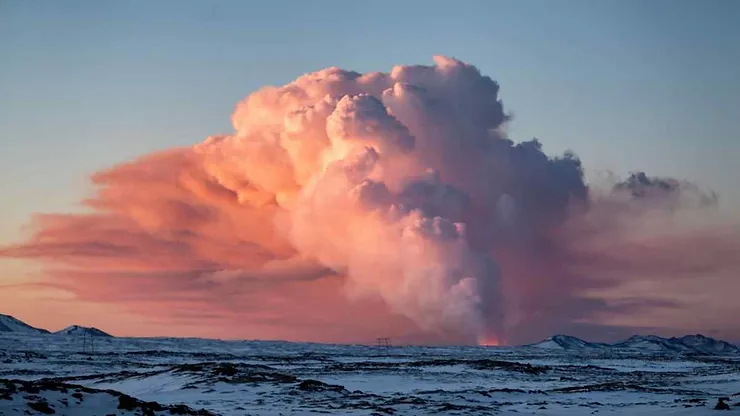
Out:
{"x": 397, "y": 191}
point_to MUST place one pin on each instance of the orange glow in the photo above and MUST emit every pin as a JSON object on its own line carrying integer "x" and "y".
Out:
{"x": 488, "y": 341}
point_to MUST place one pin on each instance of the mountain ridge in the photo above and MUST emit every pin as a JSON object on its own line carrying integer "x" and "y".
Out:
{"x": 11, "y": 324}
{"x": 77, "y": 330}
{"x": 8, "y": 323}
{"x": 687, "y": 344}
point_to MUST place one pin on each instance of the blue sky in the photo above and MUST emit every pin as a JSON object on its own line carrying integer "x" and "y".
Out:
{"x": 627, "y": 85}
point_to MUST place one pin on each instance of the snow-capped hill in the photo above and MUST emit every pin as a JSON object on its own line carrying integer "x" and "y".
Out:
{"x": 643, "y": 344}
{"x": 706, "y": 345}
{"x": 566, "y": 342}
{"x": 83, "y": 330}
{"x": 650, "y": 343}
{"x": 10, "y": 324}
{"x": 696, "y": 344}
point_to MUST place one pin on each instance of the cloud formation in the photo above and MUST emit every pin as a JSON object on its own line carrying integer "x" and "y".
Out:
{"x": 347, "y": 206}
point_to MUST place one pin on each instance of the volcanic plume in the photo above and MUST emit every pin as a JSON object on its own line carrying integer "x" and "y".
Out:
{"x": 397, "y": 191}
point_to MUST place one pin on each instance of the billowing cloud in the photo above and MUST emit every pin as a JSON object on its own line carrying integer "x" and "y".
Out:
{"x": 347, "y": 206}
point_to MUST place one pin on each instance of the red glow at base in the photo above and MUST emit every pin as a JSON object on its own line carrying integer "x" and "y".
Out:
{"x": 488, "y": 341}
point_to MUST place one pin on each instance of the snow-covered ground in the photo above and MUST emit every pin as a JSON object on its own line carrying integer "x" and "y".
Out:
{"x": 129, "y": 376}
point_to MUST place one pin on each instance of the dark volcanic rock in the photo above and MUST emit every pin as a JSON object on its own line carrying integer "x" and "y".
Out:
{"x": 721, "y": 405}
{"x": 41, "y": 407}
{"x": 507, "y": 365}
{"x": 484, "y": 364}
{"x": 211, "y": 372}
{"x": 478, "y": 364}
{"x": 315, "y": 385}
{"x": 619, "y": 386}
{"x": 125, "y": 402}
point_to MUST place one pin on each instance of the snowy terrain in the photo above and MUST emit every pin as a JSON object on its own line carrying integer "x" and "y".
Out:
{"x": 45, "y": 373}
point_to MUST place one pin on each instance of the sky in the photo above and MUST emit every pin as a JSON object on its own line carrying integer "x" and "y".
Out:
{"x": 627, "y": 85}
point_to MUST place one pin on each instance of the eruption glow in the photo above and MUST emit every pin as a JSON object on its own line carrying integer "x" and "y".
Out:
{"x": 488, "y": 342}
{"x": 397, "y": 191}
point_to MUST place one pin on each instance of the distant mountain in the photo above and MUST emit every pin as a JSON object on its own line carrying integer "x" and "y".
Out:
{"x": 10, "y": 324}
{"x": 567, "y": 342}
{"x": 696, "y": 344}
{"x": 706, "y": 345}
{"x": 651, "y": 343}
{"x": 689, "y": 344}
{"x": 83, "y": 330}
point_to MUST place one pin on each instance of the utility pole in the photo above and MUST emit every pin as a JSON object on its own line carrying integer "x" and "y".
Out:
{"x": 88, "y": 343}
{"x": 383, "y": 342}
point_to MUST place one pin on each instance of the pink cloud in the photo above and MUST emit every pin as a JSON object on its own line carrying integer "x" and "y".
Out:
{"x": 350, "y": 206}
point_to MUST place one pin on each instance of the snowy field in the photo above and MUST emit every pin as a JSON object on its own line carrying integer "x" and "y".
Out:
{"x": 126, "y": 376}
